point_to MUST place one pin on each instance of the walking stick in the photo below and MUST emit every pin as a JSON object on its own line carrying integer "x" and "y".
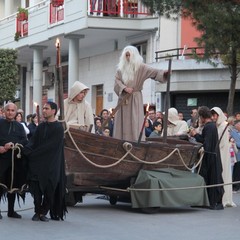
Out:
{"x": 167, "y": 100}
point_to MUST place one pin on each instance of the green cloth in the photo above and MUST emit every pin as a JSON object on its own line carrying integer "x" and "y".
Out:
{"x": 164, "y": 179}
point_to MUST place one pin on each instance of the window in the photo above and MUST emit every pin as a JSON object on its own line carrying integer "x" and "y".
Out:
{"x": 142, "y": 48}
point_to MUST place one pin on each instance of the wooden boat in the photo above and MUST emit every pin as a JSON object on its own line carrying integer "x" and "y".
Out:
{"x": 94, "y": 161}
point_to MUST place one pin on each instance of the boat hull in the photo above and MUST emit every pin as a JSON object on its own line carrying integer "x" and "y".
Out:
{"x": 93, "y": 160}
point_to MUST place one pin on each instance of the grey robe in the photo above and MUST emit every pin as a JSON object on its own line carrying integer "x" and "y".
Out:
{"x": 129, "y": 118}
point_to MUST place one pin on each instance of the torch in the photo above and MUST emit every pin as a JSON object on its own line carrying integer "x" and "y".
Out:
{"x": 143, "y": 125}
{"x": 59, "y": 79}
{"x": 37, "y": 111}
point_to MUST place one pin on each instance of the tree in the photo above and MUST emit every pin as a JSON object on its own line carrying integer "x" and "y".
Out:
{"x": 219, "y": 24}
{"x": 8, "y": 74}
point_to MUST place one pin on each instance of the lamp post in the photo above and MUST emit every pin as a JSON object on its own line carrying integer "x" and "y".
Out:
{"x": 59, "y": 79}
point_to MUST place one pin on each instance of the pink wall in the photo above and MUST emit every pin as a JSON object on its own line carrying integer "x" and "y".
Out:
{"x": 188, "y": 33}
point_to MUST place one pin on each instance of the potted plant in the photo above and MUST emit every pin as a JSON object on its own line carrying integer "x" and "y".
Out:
{"x": 57, "y": 3}
{"x": 22, "y": 14}
{"x": 17, "y": 36}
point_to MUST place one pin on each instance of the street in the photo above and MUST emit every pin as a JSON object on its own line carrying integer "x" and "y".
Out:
{"x": 95, "y": 218}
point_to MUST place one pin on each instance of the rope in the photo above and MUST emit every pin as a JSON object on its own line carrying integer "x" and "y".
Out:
{"x": 88, "y": 160}
{"x": 129, "y": 189}
{"x": 14, "y": 147}
{"x": 182, "y": 188}
{"x": 128, "y": 148}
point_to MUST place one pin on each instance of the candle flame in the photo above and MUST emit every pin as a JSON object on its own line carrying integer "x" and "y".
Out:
{"x": 57, "y": 43}
{"x": 35, "y": 104}
{"x": 147, "y": 108}
{"x": 110, "y": 110}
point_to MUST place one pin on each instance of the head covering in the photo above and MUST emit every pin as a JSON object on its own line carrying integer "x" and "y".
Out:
{"x": 221, "y": 116}
{"x": 76, "y": 88}
{"x": 173, "y": 115}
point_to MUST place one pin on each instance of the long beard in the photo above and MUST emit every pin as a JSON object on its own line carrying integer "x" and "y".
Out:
{"x": 128, "y": 72}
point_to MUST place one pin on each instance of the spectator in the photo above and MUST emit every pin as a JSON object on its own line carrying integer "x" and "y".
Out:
{"x": 19, "y": 118}
{"x": 181, "y": 117}
{"x": 148, "y": 128}
{"x": 235, "y": 134}
{"x": 157, "y": 126}
{"x": 194, "y": 117}
{"x": 105, "y": 117}
{"x": 159, "y": 115}
{"x": 98, "y": 126}
{"x": 106, "y": 132}
{"x": 237, "y": 116}
{"x": 33, "y": 125}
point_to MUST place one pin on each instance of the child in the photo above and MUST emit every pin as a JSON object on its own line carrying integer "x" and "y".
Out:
{"x": 157, "y": 129}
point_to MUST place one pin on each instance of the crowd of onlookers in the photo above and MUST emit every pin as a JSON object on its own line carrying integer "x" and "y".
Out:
{"x": 198, "y": 129}
{"x": 104, "y": 123}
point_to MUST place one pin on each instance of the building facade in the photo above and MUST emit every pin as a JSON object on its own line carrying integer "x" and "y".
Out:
{"x": 91, "y": 39}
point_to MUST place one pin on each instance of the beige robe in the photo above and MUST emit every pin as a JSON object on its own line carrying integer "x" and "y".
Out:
{"x": 78, "y": 114}
{"x": 224, "y": 146}
{"x": 129, "y": 118}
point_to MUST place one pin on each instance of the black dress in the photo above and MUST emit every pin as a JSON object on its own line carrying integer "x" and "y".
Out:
{"x": 211, "y": 168}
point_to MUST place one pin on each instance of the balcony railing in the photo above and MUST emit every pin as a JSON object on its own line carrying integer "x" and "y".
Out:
{"x": 56, "y": 13}
{"x": 179, "y": 53}
{"x": 21, "y": 29}
{"x": 118, "y": 8}
{"x": 121, "y": 8}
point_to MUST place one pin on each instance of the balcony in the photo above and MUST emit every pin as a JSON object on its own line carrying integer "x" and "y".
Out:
{"x": 97, "y": 24}
{"x": 122, "y": 8}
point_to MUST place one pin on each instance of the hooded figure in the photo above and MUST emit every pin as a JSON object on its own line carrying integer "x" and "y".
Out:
{"x": 176, "y": 126}
{"x": 77, "y": 111}
{"x": 224, "y": 145}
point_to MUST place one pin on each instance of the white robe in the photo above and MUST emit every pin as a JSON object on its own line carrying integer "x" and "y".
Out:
{"x": 78, "y": 114}
{"x": 224, "y": 146}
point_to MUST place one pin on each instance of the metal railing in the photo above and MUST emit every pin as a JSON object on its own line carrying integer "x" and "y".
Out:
{"x": 179, "y": 53}
{"x": 121, "y": 8}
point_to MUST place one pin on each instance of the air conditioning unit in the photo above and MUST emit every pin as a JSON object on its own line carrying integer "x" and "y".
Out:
{"x": 48, "y": 79}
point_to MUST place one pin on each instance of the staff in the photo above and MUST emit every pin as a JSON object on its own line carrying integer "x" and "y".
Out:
{"x": 126, "y": 96}
{"x": 167, "y": 100}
